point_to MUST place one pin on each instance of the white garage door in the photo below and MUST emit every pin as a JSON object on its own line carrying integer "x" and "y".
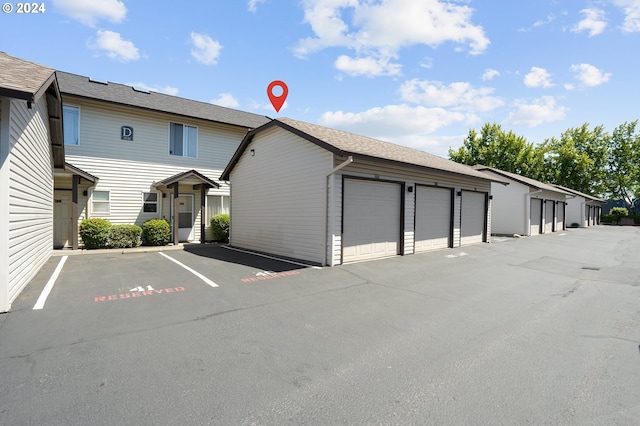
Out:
{"x": 548, "y": 216}
{"x": 433, "y": 218}
{"x": 472, "y": 223}
{"x": 560, "y": 217}
{"x": 371, "y": 221}
{"x": 536, "y": 214}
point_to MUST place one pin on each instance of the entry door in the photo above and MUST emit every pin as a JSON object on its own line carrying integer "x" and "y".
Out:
{"x": 185, "y": 217}
{"x": 371, "y": 222}
{"x": 61, "y": 220}
{"x": 535, "y": 216}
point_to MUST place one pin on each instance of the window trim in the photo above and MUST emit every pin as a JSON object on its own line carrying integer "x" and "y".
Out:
{"x": 157, "y": 202}
{"x": 77, "y": 107}
{"x": 184, "y": 127}
{"x": 93, "y": 201}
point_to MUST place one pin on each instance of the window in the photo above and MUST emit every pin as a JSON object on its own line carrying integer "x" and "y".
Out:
{"x": 183, "y": 140}
{"x": 217, "y": 204}
{"x": 101, "y": 203}
{"x": 71, "y": 124}
{"x": 150, "y": 202}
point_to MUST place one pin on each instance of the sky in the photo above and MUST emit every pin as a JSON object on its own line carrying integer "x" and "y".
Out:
{"x": 420, "y": 73}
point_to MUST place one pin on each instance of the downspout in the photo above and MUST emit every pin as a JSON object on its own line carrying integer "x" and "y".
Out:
{"x": 527, "y": 210}
{"x": 330, "y": 221}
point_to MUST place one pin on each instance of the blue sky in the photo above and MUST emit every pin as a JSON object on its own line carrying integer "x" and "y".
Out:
{"x": 415, "y": 72}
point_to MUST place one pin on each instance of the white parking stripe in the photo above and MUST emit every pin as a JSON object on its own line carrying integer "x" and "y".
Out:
{"x": 47, "y": 288}
{"x": 273, "y": 258}
{"x": 194, "y": 272}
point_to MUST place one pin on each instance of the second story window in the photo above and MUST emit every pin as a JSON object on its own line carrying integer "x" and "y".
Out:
{"x": 183, "y": 140}
{"x": 71, "y": 123}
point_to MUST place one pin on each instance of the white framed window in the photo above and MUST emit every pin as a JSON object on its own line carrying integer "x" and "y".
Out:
{"x": 150, "y": 202}
{"x": 217, "y": 204}
{"x": 71, "y": 124}
{"x": 101, "y": 203}
{"x": 183, "y": 140}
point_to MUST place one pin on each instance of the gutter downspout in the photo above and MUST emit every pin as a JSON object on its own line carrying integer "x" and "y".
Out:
{"x": 330, "y": 221}
{"x": 527, "y": 210}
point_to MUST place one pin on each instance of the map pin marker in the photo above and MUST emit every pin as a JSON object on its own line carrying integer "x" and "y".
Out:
{"x": 277, "y": 101}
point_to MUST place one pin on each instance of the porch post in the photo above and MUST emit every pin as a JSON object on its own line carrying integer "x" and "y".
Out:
{"x": 74, "y": 212}
{"x": 203, "y": 194}
{"x": 176, "y": 208}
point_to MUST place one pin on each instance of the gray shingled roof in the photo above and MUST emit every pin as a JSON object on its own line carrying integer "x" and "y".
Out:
{"x": 581, "y": 194}
{"x": 22, "y": 79}
{"x": 76, "y": 85}
{"x": 344, "y": 144}
{"x": 536, "y": 184}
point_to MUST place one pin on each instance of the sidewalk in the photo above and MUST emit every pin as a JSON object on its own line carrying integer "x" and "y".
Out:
{"x": 139, "y": 249}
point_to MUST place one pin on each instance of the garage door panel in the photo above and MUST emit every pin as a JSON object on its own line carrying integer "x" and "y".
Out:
{"x": 433, "y": 218}
{"x": 472, "y": 223}
{"x": 536, "y": 211}
{"x": 560, "y": 217}
{"x": 548, "y": 216}
{"x": 371, "y": 222}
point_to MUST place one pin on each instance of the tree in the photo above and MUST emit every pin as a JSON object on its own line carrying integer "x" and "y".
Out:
{"x": 623, "y": 166}
{"x": 578, "y": 159}
{"x": 503, "y": 150}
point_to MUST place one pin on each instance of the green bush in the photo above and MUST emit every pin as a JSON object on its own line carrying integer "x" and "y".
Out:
{"x": 124, "y": 236}
{"x": 619, "y": 212}
{"x": 636, "y": 218}
{"x": 220, "y": 227}
{"x": 608, "y": 218}
{"x": 156, "y": 232}
{"x": 95, "y": 233}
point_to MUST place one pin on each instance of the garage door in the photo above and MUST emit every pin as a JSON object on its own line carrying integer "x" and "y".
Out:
{"x": 371, "y": 221}
{"x": 433, "y": 218}
{"x": 473, "y": 214}
{"x": 548, "y": 216}
{"x": 536, "y": 214}
{"x": 560, "y": 217}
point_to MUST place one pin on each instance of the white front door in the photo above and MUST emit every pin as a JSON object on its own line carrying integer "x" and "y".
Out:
{"x": 185, "y": 217}
{"x": 61, "y": 219}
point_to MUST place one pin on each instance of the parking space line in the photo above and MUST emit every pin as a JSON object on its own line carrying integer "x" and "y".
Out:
{"x": 272, "y": 258}
{"x": 47, "y": 288}
{"x": 194, "y": 272}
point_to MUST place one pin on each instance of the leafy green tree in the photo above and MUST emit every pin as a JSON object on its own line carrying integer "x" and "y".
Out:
{"x": 494, "y": 147}
{"x": 623, "y": 166}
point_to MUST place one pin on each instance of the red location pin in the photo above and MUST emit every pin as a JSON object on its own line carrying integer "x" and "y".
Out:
{"x": 277, "y": 101}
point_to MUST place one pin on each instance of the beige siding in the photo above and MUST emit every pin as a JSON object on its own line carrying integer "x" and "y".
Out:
{"x": 128, "y": 168}
{"x": 278, "y": 197}
{"x": 30, "y": 194}
{"x": 4, "y": 204}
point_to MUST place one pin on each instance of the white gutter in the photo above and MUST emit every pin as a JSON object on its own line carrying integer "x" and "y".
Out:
{"x": 527, "y": 210}
{"x": 330, "y": 221}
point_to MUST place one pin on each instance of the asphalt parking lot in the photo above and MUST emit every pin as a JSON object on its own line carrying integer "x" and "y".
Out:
{"x": 542, "y": 330}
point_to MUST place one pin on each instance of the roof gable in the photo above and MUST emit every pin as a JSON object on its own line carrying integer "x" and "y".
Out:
{"x": 76, "y": 85}
{"x": 22, "y": 79}
{"x": 344, "y": 143}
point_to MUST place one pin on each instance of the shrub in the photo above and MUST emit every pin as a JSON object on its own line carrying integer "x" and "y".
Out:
{"x": 220, "y": 227}
{"x": 636, "y": 218}
{"x": 608, "y": 218}
{"x": 156, "y": 232}
{"x": 575, "y": 225}
{"x": 95, "y": 233}
{"x": 619, "y": 212}
{"x": 124, "y": 236}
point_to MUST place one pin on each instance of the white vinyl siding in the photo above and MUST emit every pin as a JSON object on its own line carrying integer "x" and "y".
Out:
{"x": 278, "y": 196}
{"x": 371, "y": 220}
{"x": 508, "y": 212}
{"x": 433, "y": 218}
{"x": 128, "y": 168}
{"x": 30, "y": 195}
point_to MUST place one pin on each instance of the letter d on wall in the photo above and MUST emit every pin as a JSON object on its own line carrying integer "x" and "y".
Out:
{"x": 126, "y": 133}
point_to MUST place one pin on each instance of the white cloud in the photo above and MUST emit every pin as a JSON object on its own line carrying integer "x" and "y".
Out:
{"x": 167, "y": 90}
{"x": 538, "y": 77}
{"x": 205, "y": 50}
{"x": 253, "y": 5}
{"x": 369, "y": 66}
{"x": 458, "y": 95}
{"x": 380, "y": 29}
{"x": 490, "y": 74}
{"x": 115, "y": 47}
{"x": 631, "y": 10}
{"x": 226, "y": 100}
{"x": 594, "y": 22}
{"x": 90, "y": 12}
{"x": 590, "y": 75}
{"x": 542, "y": 110}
